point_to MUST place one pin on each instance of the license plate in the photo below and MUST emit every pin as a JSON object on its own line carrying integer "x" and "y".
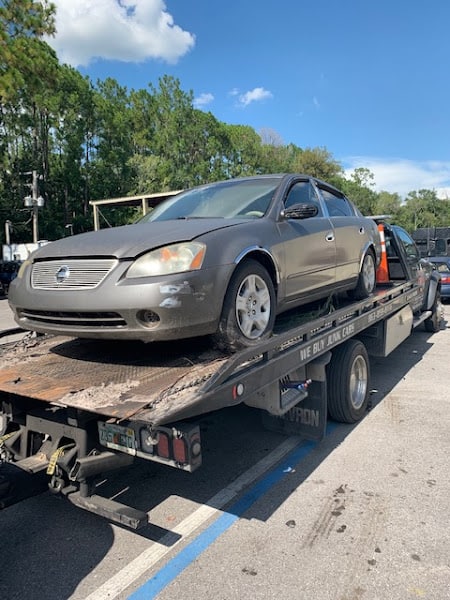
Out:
{"x": 117, "y": 437}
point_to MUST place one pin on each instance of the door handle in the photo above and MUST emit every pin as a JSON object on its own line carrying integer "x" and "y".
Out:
{"x": 361, "y": 230}
{"x": 330, "y": 237}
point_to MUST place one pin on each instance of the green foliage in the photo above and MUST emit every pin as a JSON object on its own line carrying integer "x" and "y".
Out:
{"x": 364, "y": 197}
{"x": 93, "y": 141}
{"x": 27, "y": 63}
{"x": 388, "y": 204}
{"x": 423, "y": 208}
{"x": 317, "y": 162}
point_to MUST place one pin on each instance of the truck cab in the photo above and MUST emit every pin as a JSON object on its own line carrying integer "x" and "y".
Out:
{"x": 405, "y": 264}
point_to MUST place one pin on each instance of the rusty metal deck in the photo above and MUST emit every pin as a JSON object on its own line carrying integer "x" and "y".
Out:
{"x": 113, "y": 379}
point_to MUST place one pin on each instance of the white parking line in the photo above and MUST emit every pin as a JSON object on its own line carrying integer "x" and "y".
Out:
{"x": 212, "y": 508}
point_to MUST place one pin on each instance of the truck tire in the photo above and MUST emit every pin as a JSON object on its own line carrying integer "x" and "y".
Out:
{"x": 433, "y": 323}
{"x": 367, "y": 278}
{"x": 348, "y": 377}
{"x": 248, "y": 313}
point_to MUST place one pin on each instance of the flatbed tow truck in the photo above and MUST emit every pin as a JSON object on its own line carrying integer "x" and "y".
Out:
{"x": 72, "y": 410}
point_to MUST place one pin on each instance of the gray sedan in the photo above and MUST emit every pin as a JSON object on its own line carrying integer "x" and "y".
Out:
{"x": 221, "y": 259}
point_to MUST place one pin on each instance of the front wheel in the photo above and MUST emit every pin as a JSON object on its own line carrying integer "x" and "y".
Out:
{"x": 348, "y": 378}
{"x": 248, "y": 312}
{"x": 433, "y": 323}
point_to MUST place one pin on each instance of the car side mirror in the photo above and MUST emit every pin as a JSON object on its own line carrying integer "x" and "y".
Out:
{"x": 301, "y": 211}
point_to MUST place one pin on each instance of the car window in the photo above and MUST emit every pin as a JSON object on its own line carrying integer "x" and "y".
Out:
{"x": 338, "y": 206}
{"x": 407, "y": 243}
{"x": 440, "y": 246}
{"x": 302, "y": 193}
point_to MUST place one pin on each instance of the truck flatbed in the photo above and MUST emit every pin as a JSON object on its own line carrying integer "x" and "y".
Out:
{"x": 73, "y": 409}
{"x": 162, "y": 383}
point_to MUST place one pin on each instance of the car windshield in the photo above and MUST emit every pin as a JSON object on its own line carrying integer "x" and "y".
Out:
{"x": 248, "y": 198}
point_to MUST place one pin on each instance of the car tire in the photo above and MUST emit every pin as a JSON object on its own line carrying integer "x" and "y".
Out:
{"x": 348, "y": 377}
{"x": 249, "y": 308}
{"x": 366, "y": 279}
{"x": 433, "y": 323}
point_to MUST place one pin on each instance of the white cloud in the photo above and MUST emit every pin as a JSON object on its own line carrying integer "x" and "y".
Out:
{"x": 203, "y": 100}
{"x": 124, "y": 30}
{"x": 402, "y": 175}
{"x": 255, "y": 95}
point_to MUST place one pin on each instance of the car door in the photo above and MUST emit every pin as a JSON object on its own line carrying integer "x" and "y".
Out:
{"x": 309, "y": 245}
{"x": 350, "y": 233}
{"x": 419, "y": 274}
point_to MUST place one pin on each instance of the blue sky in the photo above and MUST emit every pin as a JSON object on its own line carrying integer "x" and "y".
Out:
{"x": 369, "y": 81}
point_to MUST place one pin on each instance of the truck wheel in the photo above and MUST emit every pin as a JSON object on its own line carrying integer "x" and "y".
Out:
{"x": 248, "y": 312}
{"x": 433, "y": 323}
{"x": 348, "y": 378}
{"x": 367, "y": 278}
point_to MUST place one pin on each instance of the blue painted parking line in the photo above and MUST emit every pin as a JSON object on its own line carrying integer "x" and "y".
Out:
{"x": 184, "y": 558}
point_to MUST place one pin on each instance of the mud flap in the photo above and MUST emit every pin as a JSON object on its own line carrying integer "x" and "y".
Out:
{"x": 17, "y": 485}
{"x": 308, "y": 418}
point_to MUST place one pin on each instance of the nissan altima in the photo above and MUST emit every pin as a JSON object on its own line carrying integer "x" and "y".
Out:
{"x": 222, "y": 259}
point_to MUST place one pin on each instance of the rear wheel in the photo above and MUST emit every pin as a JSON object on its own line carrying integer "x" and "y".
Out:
{"x": 348, "y": 379}
{"x": 367, "y": 278}
{"x": 248, "y": 312}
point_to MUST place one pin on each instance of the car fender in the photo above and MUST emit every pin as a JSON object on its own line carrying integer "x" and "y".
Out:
{"x": 368, "y": 246}
{"x": 433, "y": 289}
{"x": 253, "y": 251}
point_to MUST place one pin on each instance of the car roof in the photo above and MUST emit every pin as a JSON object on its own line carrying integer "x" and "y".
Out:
{"x": 281, "y": 176}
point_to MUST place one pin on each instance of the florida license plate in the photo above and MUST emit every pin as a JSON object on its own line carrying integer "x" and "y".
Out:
{"x": 117, "y": 437}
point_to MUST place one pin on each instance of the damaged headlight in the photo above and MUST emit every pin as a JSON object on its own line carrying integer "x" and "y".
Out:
{"x": 176, "y": 258}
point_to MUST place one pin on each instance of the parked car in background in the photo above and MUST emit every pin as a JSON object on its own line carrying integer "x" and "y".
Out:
{"x": 442, "y": 265}
{"x": 223, "y": 258}
{"x": 8, "y": 272}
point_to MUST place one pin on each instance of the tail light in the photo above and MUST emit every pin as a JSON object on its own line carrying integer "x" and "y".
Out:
{"x": 445, "y": 278}
{"x": 180, "y": 453}
{"x": 163, "y": 446}
{"x": 178, "y": 446}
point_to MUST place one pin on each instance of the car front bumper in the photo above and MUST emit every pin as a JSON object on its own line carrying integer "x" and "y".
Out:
{"x": 148, "y": 309}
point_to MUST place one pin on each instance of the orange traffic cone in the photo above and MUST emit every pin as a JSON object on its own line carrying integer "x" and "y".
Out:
{"x": 383, "y": 269}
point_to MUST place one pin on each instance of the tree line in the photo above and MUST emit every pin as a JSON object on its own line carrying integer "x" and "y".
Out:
{"x": 92, "y": 140}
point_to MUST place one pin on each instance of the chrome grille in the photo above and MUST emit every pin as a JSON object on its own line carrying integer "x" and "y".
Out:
{"x": 70, "y": 274}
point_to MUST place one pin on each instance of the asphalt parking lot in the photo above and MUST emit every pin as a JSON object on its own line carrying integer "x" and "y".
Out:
{"x": 7, "y": 323}
{"x": 363, "y": 515}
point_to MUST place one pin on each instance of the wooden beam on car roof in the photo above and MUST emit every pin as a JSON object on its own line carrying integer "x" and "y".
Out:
{"x": 145, "y": 200}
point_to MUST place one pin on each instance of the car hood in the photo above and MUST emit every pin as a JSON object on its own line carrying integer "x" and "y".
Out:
{"x": 130, "y": 241}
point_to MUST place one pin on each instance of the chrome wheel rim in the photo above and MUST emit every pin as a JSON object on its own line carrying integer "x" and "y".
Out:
{"x": 368, "y": 272}
{"x": 253, "y": 306}
{"x": 358, "y": 382}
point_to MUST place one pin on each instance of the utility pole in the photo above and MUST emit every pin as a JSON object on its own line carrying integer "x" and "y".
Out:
{"x": 34, "y": 195}
{"x": 34, "y": 202}
{"x": 8, "y": 227}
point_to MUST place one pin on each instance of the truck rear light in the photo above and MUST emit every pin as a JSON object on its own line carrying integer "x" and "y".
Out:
{"x": 180, "y": 450}
{"x": 178, "y": 446}
{"x": 162, "y": 447}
